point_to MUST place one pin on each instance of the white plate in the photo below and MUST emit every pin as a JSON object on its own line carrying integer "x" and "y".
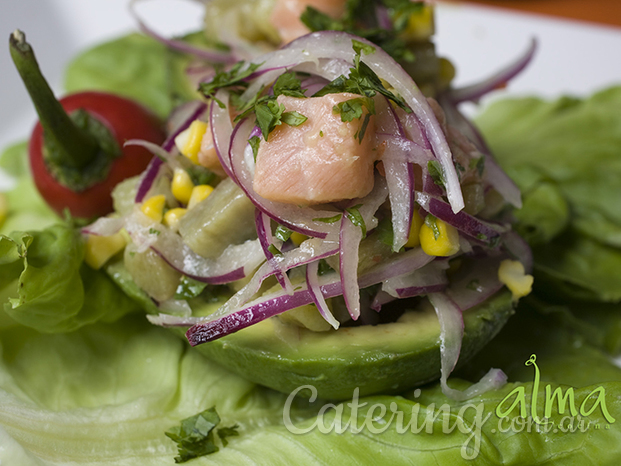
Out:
{"x": 573, "y": 57}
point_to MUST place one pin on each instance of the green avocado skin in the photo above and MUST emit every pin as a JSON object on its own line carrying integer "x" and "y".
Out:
{"x": 388, "y": 358}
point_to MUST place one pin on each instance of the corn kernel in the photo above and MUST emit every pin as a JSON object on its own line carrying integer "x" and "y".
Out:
{"x": 298, "y": 238}
{"x": 181, "y": 185}
{"x": 512, "y": 274}
{"x": 189, "y": 141}
{"x": 413, "y": 238}
{"x": 154, "y": 207}
{"x": 447, "y": 241}
{"x": 4, "y": 208}
{"x": 199, "y": 193}
{"x": 172, "y": 217}
{"x": 420, "y": 25}
{"x": 99, "y": 249}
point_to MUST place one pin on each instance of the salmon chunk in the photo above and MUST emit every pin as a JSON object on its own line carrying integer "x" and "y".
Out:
{"x": 320, "y": 161}
{"x": 285, "y": 16}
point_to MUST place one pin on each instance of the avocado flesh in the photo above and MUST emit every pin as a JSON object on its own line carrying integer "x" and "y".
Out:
{"x": 386, "y": 358}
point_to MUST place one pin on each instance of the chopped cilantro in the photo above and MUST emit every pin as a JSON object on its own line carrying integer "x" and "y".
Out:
{"x": 474, "y": 285}
{"x": 195, "y": 435}
{"x": 293, "y": 118}
{"x": 361, "y": 19}
{"x": 154, "y": 231}
{"x": 201, "y": 175}
{"x": 234, "y": 79}
{"x": 224, "y": 432}
{"x": 430, "y": 221}
{"x": 254, "y": 142}
{"x": 353, "y": 108}
{"x": 324, "y": 267}
{"x": 479, "y": 164}
{"x": 288, "y": 84}
{"x": 385, "y": 232}
{"x": 362, "y": 80}
{"x": 334, "y": 219}
{"x": 354, "y": 216}
{"x": 436, "y": 172}
{"x": 270, "y": 114}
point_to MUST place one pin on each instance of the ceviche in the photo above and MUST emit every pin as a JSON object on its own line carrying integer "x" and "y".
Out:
{"x": 307, "y": 210}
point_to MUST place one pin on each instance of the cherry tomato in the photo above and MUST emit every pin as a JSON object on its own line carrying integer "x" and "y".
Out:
{"x": 125, "y": 119}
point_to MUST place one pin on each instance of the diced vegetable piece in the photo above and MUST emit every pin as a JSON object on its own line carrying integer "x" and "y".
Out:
{"x": 181, "y": 185}
{"x": 172, "y": 217}
{"x": 154, "y": 207}
{"x": 99, "y": 249}
{"x": 298, "y": 238}
{"x": 437, "y": 238}
{"x": 124, "y": 195}
{"x": 420, "y": 25}
{"x": 226, "y": 217}
{"x": 199, "y": 194}
{"x": 512, "y": 274}
{"x": 151, "y": 273}
{"x": 189, "y": 141}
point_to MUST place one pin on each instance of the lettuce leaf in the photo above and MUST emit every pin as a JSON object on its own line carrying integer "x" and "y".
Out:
{"x": 136, "y": 67}
{"x": 107, "y": 394}
{"x": 49, "y": 287}
{"x": 571, "y": 144}
{"x": 564, "y": 156}
{"x": 27, "y": 209}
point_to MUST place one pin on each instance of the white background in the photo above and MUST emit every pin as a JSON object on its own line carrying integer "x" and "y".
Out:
{"x": 573, "y": 57}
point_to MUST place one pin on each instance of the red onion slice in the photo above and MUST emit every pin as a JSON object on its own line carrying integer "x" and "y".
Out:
{"x": 231, "y": 319}
{"x": 266, "y": 240}
{"x": 473, "y": 285}
{"x": 494, "y": 174}
{"x": 451, "y": 334}
{"x": 221, "y": 130}
{"x": 428, "y": 279}
{"x": 480, "y": 230}
{"x": 498, "y": 80}
{"x": 152, "y": 171}
{"x": 312, "y": 282}
{"x": 209, "y": 55}
{"x": 350, "y": 236}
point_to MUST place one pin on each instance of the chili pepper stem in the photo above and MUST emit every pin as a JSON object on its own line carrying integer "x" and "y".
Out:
{"x": 76, "y": 147}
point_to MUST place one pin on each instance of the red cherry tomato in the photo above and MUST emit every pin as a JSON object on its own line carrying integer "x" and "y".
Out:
{"x": 126, "y": 120}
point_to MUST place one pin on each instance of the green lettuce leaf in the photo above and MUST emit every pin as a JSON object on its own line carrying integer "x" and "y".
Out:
{"x": 27, "y": 209}
{"x": 572, "y": 144}
{"x": 108, "y": 393}
{"x": 564, "y": 156}
{"x": 136, "y": 67}
{"x": 48, "y": 285}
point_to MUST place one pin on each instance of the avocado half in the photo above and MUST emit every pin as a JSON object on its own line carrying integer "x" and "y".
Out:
{"x": 384, "y": 358}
